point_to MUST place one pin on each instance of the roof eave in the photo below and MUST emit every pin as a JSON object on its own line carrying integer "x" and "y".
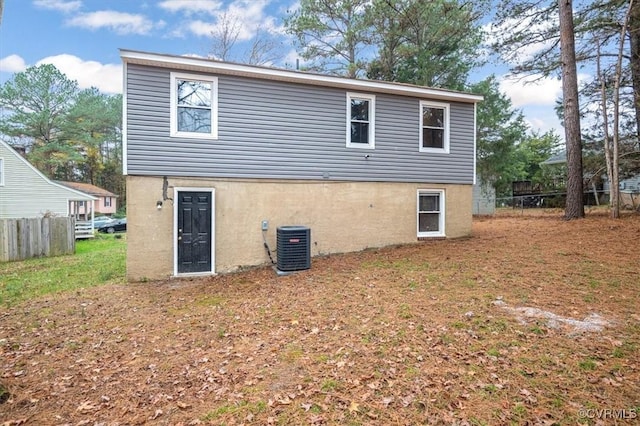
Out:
{"x": 266, "y": 73}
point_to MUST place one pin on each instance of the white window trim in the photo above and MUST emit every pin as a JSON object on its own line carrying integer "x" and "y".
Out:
{"x": 441, "y": 224}
{"x": 372, "y": 120}
{"x": 174, "y": 107}
{"x": 1, "y": 171}
{"x": 447, "y": 126}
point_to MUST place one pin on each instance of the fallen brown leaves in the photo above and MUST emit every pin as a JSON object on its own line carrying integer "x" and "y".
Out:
{"x": 405, "y": 335}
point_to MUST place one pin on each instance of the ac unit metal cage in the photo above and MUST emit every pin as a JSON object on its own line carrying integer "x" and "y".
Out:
{"x": 293, "y": 248}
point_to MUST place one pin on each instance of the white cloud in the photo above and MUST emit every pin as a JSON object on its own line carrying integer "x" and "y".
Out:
{"x": 59, "y": 5}
{"x": 252, "y": 17}
{"x": 248, "y": 15}
{"x": 121, "y": 23}
{"x": 292, "y": 58}
{"x": 543, "y": 119}
{"x": 532, "y": 90}
{"x": 106, "y": 77}
{"x": 190, "y": 7}
{"x": 201, "y": 28}
{"x": 12, "y": 64}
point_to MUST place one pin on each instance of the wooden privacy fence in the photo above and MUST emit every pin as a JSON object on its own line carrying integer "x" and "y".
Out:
{"x": 25, "y": 238}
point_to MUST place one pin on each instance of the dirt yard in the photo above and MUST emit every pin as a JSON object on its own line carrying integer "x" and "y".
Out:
{"x": 533, "y": 320}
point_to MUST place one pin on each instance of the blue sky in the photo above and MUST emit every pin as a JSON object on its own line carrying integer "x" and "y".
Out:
{"x": 82, "y": 38}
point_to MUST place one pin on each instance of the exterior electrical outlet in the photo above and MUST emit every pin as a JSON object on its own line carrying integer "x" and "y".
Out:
{"x": 294, "y": 248}
{"x": 265, "y": 225}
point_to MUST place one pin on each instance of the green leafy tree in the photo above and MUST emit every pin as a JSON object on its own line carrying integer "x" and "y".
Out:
{"x": 333, "y": 34}
{"x": 433, "y": 43}
{"x": 500, "y": 128}
{"x": 68, "y": 134}
{"x": 533, "y": 151}
{"x": 93, "y": 126}
{"x": 36, "y": 102}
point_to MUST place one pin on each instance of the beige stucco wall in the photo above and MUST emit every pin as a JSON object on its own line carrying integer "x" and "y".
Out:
{"x": 343, "y": 217}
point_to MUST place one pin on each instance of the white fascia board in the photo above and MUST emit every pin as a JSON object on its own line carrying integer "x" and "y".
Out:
{"x": 266, "y": 73}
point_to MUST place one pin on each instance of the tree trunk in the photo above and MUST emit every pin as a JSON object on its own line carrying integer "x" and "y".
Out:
{"x": 575, "y": 206}
{"x": 615, "y": 179}
{"x": 634, "y": 41}
{"x": 608, "y": 151}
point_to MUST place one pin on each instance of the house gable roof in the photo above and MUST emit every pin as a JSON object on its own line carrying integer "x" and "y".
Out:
{"x": 268, "y": 73}
{"x": 88, "y": 188}
{"x": 73, "y": 194}
{"x": 559, "y": 158}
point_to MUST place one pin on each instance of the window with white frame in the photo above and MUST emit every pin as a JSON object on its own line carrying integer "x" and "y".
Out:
{"x": 434, "y": 127}
{"x": 361, "y": 111}
{"x": 107, "y": 201}
{"x": 430, "y": 213}
{"x": 194, "y": 106}
{"x": 1, "y": 171}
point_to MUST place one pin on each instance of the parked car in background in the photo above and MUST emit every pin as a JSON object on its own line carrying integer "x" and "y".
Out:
{"x": 100, "y": 221}
{"x": 118, "y": 225}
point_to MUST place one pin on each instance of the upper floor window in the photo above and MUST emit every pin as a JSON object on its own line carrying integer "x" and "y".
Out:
{"x": 1, "y": 171}
{"x": 361, "y": 120}
{"x": 194, "y": 106}
{"x": 434, "y": 127}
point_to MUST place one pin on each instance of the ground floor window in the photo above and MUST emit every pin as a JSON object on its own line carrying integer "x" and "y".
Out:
{"x": 430, "y": 213}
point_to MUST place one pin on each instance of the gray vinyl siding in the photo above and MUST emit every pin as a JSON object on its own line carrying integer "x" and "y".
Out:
{"x": 279, "y": 130}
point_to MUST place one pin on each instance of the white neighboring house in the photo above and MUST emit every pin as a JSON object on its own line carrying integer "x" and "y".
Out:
{"x": 26, "y": 193}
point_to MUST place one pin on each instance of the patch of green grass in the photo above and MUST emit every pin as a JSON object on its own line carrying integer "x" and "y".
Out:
{"x": 536, "y": 329}
{"x": 404, "y": 311}
{"x": 490, "y": 388}
{"x": 588, "y": 364}
{"x": 330, "y": 385}
{"x": 292, "y": 353}
{"x": 240, "y": 407}
{"x": 446, "y": 339}
{"x": 323, "y": 358}
{"x": 491, "y": 325}
{"x": 316, "y": 409}
{"x": 493, "y": 352}
{"x": 519, "y": 411}
{"x": 97, "y": 261}
{"x": 624, "y": 350}
{"x": 209, "y": 300}
{"x": 477, "y": 422}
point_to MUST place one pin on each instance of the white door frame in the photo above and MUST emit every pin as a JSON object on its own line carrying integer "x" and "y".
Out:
{"x": 176, "y": 190}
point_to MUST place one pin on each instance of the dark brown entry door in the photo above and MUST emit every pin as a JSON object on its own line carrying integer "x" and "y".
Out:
{"x": 194, "y": 232}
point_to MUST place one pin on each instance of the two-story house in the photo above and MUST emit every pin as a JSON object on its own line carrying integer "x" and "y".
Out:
{"x": 219, "y": 155}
